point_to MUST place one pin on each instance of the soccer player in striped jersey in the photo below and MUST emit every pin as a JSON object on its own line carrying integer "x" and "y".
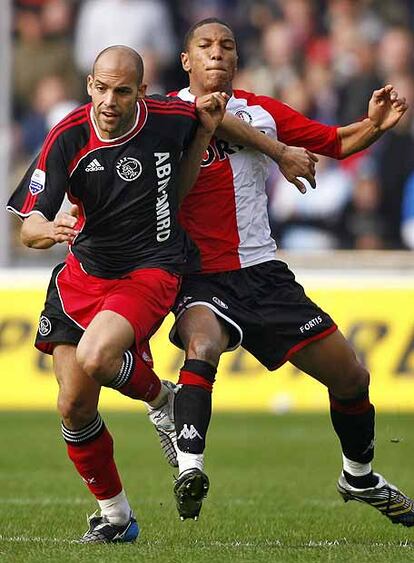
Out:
{"x": 120, "y": 160}
{"x": 245, "y": 296}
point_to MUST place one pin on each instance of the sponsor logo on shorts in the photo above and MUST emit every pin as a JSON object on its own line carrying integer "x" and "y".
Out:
{"x": 129, "y": 168}
{"x": 45, "y": 326}
{"x": 311, "y": 324}
{"x": 244, "y": 115}
{"x": 219, "y": 302}
{"x": 37, "y": 182}
{"x": 189, "y": 433}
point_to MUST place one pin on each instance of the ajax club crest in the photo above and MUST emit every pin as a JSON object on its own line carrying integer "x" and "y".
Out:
{"x": 129, "y": 168}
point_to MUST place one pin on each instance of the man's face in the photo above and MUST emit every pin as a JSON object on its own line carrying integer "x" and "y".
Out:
{"x": 211, "y": 59}
{"x": 114, "y": 91}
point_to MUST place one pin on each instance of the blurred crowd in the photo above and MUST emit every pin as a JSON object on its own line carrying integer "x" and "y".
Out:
{"x": 322, "y": 57}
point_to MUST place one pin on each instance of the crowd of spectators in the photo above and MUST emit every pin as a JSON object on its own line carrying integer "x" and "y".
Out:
{"x": 322, "y": 57}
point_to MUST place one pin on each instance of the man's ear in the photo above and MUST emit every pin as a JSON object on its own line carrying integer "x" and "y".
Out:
{"x": 142, "y": 91}
{"x": 185, "y": 62}
{"x": 89, "y": 82}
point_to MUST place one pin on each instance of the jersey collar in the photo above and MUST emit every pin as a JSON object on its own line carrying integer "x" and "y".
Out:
{"x": 187, "y": 96}
{"x": 139, "y": 123}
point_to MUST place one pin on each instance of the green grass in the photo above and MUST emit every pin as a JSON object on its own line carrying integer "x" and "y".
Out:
{"x": 272, "y": 495}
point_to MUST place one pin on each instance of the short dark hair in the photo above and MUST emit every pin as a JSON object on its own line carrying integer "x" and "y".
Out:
{"x": 189, "y": 35}
{"x": 139, "y": 64}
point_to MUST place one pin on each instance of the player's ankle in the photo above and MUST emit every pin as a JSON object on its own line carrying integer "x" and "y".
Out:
{"x": 161, "y": 398}
{"x": 187, "y": 460}
{"x": 361, "y": 481}
{"x": 116, "y": 509}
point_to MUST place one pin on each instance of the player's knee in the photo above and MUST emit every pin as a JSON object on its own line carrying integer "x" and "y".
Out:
{"x": 354, "y": 382}
{"x": 76, "y": 412}
{"x": 205, "y": 349}
{"x": 92, "y": 360}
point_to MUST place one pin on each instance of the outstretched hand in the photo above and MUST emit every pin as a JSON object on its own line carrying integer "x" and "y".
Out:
{"x": 210, "y": 110}
{"x": 386, "y": 108}
{"x": 295, "y": 163}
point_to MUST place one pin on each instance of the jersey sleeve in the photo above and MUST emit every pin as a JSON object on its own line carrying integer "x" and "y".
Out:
{"x": 44, "y": 185}
{"x": 295, "y": 129}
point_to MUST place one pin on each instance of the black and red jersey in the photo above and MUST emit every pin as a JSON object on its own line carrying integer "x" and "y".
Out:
{"x": 126, "y": 188}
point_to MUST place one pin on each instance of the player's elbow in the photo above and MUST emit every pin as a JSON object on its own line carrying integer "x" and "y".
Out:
{"x": 26, "y": 238}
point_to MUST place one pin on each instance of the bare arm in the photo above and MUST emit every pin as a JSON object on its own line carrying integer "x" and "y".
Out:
{"x": 385, "y": 110}
{"x": 210, "y": 110}
{"x": 37, "y": 232}
{"x": 293, "y": 162}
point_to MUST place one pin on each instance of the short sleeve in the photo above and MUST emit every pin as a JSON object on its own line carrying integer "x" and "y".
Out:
{"x": 295, "y": 129}
{"x": 44, "y": 185}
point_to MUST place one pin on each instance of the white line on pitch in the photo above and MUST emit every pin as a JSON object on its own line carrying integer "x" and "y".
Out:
{"x": 42, "y": 501}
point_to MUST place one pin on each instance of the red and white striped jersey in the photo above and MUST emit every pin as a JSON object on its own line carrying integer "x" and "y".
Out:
{"x": 226, "y": 211}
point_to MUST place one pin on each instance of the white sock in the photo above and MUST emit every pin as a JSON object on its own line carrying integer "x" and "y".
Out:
{"x": 355, "y": 468}
{"x": 116, "y": 509}
{"x": 161, "y": 398}
{"x": 189, "y": 461}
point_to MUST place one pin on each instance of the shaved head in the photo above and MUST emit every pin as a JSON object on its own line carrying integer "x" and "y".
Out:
{"x": 121, "y": 57}
{"x": 115, "y": 87}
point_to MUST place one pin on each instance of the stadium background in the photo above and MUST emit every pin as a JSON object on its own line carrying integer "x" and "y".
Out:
{"x": 350, "y": 242}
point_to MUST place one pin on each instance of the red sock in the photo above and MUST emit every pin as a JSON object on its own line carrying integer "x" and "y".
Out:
{"x": 91, "y": 450}
{"x": 136, "y": 379}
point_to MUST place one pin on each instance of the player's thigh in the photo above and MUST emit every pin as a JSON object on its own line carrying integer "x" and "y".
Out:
{"x": 203, "y": 335}
{"x": 78, "y": 393}
{"x": 332, "y": 361}
{"x": 108, "y": 335}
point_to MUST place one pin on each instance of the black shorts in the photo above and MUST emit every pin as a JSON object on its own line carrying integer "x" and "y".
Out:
{"x": 55, "y": 326}
{"x": 263, "y": 307}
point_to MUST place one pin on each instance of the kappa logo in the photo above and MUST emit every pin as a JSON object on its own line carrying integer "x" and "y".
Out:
{"x": 129, "y": 168}
{"x": 37, "y": 182}
{"x": 94, "y": 166}
{"x": 45, "y": 326}
{"x": 370, "y": 447}
{"x": 219, "y": 302}
{"x": 189, "y": 433}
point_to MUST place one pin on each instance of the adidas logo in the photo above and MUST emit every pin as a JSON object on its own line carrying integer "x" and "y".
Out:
{"x": 189, "y": 433}
{"x": 94, "y": 166}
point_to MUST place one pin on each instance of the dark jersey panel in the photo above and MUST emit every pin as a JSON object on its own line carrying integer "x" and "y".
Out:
{"x": 126, "y": 190}
{"x": 45, "y": 183}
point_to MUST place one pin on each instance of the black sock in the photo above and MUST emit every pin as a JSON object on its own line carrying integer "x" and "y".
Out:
{"x": 192, "y": 405}
{"x": 192, "y": 411}
{"x": 354, "y": 423}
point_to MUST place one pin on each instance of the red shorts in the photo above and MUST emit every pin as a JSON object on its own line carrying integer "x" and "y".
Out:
{"x": 143, "y": 297}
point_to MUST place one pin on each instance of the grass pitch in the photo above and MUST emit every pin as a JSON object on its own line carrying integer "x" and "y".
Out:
{"x": 272, "y": 495}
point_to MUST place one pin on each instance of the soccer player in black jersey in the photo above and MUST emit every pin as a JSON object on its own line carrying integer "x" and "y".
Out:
{"x": 119, "y": 161}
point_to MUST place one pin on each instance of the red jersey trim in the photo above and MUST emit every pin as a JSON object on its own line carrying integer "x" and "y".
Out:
{"x": 73, "y": 119}
{"x": 95, "y": 143}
